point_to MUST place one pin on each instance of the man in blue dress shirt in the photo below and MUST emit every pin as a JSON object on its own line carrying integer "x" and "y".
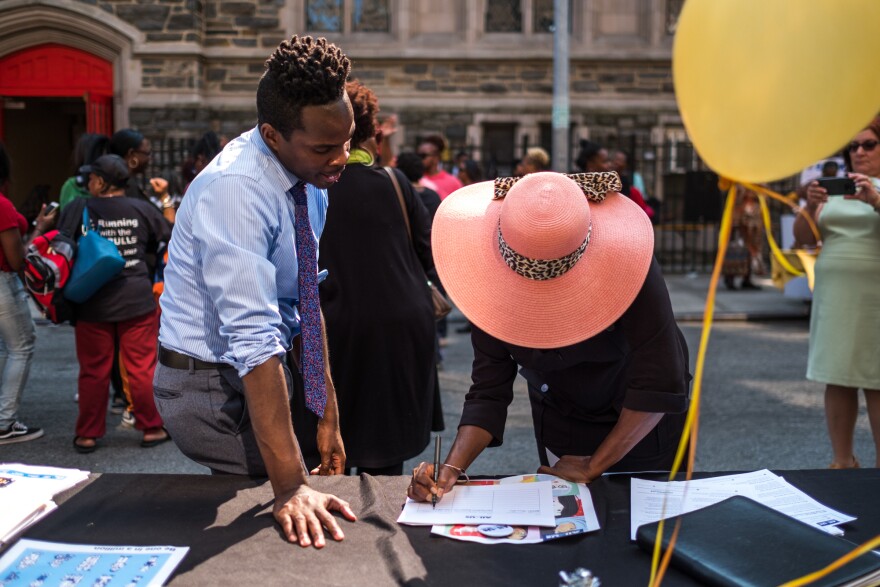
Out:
{"x": 224, "y": 386}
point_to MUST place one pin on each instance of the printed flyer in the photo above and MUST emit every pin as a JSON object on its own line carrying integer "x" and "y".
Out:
{"x": 573, "y": 507}
{"x": 34, "y": 563}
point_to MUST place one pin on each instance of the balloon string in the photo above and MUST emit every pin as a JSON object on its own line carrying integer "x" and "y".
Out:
{"x": 787, "y": 201}
{"x": 857, "y": 552}
{"x": 691, "y": 425}
{"x": 774, "y": 248}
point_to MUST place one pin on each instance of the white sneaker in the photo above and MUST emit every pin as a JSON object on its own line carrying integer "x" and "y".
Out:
{"x": 18, "y": 432}
{"x": 127, "y": 419}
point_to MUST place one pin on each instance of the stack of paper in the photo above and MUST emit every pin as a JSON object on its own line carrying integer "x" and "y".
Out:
{"x": 651, "y": 501}
{"x": 525, "y": 509}
{"x": 26, "y": 493}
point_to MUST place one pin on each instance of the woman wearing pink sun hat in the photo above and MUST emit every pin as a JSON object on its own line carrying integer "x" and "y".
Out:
{"x": 556, "y": 273}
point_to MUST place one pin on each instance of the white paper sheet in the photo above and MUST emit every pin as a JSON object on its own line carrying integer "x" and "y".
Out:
{"x": 517, "y": 504}
{"x": 26, "y": 493}
{"x": 34, "y": 562}
{"x": 646, "y": 499}
{"x": 654, "y": 500}
{"x": 573, "y": 507}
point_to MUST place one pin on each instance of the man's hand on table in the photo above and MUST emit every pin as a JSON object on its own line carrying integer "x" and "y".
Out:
{"x": 571, "y": 468}
{"x": 304, "y": 513}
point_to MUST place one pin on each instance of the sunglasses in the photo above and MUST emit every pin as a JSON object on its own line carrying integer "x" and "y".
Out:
{"x": 868, "y": 146}
{"x": 425, "y": 155}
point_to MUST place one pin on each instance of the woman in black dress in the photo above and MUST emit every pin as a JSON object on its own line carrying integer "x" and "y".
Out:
{"x": 376, "y": 303}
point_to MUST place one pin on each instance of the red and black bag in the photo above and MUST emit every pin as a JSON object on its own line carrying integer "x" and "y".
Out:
{"x": 47, "y": 266}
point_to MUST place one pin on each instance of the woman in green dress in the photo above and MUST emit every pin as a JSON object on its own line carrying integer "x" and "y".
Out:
{"x": 845, "y": 321}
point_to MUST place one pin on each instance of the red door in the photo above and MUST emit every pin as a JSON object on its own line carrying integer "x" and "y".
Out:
{"x": 53, "y": 70}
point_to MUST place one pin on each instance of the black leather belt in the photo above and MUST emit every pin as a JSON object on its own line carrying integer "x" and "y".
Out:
{"x": 176, "y": 360}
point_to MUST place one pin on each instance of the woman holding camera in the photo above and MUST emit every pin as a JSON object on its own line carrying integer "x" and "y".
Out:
{"x": 845, "y": 320}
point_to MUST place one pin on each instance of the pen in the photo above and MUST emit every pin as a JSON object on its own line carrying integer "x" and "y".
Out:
{"x": 436, "y": 469}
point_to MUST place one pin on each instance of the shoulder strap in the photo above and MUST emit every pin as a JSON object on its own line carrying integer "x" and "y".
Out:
{"x": 399, "y": 192}
{"x": 85, "y": 223}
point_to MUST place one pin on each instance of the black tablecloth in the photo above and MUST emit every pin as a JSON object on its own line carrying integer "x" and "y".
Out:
{"x": 227, "y": 523}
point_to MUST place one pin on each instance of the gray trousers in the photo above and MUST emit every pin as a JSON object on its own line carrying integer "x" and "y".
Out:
{"x": 206, "y": 414}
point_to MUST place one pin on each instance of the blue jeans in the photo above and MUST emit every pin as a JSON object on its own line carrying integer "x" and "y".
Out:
{"x": 17, "y": 338}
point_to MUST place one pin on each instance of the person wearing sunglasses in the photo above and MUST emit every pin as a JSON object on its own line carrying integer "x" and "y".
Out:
{"x": 845, "y": 317}
{"x": 431, "y": 150}
{"x": 137, "y": 152}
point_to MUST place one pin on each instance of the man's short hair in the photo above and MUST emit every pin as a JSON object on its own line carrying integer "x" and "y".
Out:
{"x": 301, "y": 72}
{"x": 830, "y": 168}
{"x": 411, "y": 165}
{"x": 436, "y": 140}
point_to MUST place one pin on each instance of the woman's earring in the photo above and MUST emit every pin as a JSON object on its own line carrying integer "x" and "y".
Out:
{"x": 132, "y": 162}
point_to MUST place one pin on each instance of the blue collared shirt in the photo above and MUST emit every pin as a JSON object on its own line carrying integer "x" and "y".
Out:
{"x": 231, "y": 281}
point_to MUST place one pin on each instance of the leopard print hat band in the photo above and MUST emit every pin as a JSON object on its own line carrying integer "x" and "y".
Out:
{"x": 594, "y": 185}
{"x": 541, "y": 269}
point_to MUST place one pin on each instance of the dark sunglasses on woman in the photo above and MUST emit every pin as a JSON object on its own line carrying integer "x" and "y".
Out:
{"x": 868, "y": 146}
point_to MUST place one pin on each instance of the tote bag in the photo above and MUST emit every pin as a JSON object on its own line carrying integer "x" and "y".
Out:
{"x": 97, "y": 261}
{"x": 441, "y": 305}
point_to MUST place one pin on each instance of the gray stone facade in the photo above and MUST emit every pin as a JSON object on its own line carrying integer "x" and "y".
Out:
{"x": 187, "y": 66}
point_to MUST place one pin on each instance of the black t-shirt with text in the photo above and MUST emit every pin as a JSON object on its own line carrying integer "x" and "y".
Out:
{"x": 137, "y": 228}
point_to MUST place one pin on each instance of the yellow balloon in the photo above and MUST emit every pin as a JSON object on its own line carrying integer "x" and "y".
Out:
{"x": 768, "y": 87}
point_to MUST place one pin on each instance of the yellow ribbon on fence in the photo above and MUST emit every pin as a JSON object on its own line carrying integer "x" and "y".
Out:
{"x": 762, "y": 191}
{"x": 774, "y": 248}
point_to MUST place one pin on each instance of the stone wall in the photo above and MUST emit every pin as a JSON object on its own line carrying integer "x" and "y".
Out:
{"x": 236, "y": 23}
{"x": 518, "y": 78}
{"x": 475, "y": 78}
{"x": 160, "y": 20}
{"x": 191, "y": 121}
{"x": 171, "y": 74}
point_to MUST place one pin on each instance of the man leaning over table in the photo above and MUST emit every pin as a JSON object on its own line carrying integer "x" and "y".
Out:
{"x": 241, "y": 295}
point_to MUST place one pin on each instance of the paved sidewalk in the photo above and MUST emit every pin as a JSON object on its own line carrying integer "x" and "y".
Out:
{"x": 688, "y": 295}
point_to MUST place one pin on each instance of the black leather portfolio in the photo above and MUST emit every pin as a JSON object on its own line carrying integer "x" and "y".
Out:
{"x": 739, "y": 542}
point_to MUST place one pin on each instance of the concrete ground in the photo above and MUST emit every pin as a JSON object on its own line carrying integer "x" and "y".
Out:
{"x": 757, "y": 408}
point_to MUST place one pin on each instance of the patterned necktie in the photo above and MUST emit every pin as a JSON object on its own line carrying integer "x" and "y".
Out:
{"x": 309, "y": 304}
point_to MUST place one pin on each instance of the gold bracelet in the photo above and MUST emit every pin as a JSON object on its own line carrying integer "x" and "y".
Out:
{"x": 460, "y": 472}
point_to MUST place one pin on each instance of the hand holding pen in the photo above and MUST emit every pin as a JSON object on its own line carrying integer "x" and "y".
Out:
{"x": 431, "y": 481}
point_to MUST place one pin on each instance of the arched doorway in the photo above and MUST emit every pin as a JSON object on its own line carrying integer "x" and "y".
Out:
{"x": 51, "y": 94}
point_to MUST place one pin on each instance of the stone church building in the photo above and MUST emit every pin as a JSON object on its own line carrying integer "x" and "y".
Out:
{"x": 478, "y": 71}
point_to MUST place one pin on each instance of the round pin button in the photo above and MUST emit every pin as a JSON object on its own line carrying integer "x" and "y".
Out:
{"x": 494, "y": 530}
{"x": 545, "y": 387}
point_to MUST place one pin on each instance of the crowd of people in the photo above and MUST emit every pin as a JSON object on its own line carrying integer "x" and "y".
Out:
{"x": 251, "y": 368}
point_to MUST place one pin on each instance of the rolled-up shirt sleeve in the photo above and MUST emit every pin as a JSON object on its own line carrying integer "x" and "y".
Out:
{"x": 493, "y": 374}
{"x": 658, "y": 379}
{"x": 237, "y": 271}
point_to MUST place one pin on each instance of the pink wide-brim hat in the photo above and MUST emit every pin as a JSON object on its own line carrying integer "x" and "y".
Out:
{"x": 569, "y": 296}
